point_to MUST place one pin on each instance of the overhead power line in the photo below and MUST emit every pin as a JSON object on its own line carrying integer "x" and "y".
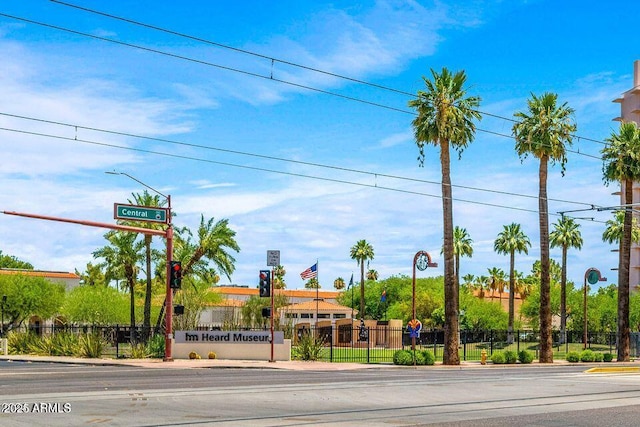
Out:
{"x": 281, "y": 159}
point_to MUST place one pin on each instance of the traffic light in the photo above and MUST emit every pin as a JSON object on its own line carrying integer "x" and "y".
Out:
{"x": 178, "y": 309}
{"x": 176, "y": 275}
{"x": 265, "y": 283}
{"x": 266, "y": 312}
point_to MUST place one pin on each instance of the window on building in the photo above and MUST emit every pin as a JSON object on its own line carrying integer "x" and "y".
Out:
{"x": 339, "y": 316}
{"x": 291, "y": 315}
{"x": 324, "y": 316}
{"x": 306, "y": 315}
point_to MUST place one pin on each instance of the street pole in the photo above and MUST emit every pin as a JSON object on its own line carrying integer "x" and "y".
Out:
{"x": 4, "y": 301}
{"x": 584, "y": 311}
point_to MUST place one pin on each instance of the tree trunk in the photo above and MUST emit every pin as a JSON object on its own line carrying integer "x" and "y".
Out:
{"x": 362, "y": 289}
{"x": 511, "y": 296}
{"x": 623, "y": 277}
{"x": 563, "y": 297}
{"x": 451, "y": 356}
{"x": 546, "y": 338}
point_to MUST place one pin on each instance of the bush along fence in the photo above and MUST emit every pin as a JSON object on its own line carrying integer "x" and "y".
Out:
{"x": 379, "y": 344}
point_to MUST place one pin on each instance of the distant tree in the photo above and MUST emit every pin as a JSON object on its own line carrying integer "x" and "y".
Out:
{"x": 544, "y": 131}
{"x": 279, "y": 273}
{"x": 10, "y": 261}
{"x": 312, "y": 284}
{"x": 338, "y": 283}
{"x": 462, "y": 246}
{"x": 29, "y": 296}
{"x": 122, "y": 256}
{"x": 446, "y": 117}
{"x": 613, "y": 232}
{"x": 511, "y": 240}
{"x": 372, "y": 275}
{"x": 362, "y": 251}
{"x": 565, "y": 235}
{"x": 497, "y": 281}
{"x": 93, "y": 275}
{"x": 95, "y": 305}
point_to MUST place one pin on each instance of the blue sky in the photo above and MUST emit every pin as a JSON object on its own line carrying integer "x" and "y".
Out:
{"x": 584, "y": 51}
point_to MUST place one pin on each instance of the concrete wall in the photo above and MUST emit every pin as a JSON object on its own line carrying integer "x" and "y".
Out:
{"x": 282, "y": 352}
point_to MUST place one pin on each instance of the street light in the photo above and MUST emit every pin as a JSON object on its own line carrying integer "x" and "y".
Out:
{"x": 592, "y": 275}
{"x": 169, "y": 291}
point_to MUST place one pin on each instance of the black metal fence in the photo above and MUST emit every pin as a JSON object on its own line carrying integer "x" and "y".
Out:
{"x": 347, "y": 343}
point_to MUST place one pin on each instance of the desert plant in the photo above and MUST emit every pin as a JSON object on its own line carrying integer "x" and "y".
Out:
{"x": 64, "y": 343}
{"x": 510, "y": 357}
{"x": 403, "y": 357}
{"x": 310, "y": 347}
{"x": 573, "y": 357}
{"x": 193, "y": 355}
{"x": 607, "y": 357}
{"x": 587, "y": 356}
{"x": 42, "y": 346}
{"x": 90, "y": 345}
{"x": 212, "y": 355}
{"x": 19, "y": 342}
{"x": 498, "y": 358}
{"x": 525, "y": 356}
{"x": 139, "y": 351}
{"x": 155, "y": 346}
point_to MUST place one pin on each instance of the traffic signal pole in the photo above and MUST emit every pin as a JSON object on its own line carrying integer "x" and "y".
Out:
{"x": 272, "y": 314}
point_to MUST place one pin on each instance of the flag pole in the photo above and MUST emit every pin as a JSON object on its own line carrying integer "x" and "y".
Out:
{"x": 317, "y": 291}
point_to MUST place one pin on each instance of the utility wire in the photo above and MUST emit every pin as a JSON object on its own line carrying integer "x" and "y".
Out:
{"x": 274, "y": 60}
{"x": 198, "y": 159}
{"x": 300, "y": 162}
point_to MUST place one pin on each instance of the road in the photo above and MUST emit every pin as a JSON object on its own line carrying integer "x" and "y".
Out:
{"x": 76, "y": 395}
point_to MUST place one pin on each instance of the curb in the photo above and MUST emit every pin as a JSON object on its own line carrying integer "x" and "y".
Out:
{"x": 613, "y": 370}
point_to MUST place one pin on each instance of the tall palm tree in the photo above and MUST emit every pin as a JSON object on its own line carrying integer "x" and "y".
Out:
{"x": 147, "y": 199}
{"x": 122, "y": 255}
{"x": 338, "y": 283}
{"x": 468, "y": 281}
{"x": 481, "y": 283}
{"x": 462, "y": 246}
{"x": 621, "y": 164}
{"x": 544, "y": 131}
{"x": 511, "y": 240}
{"x": 279, "y": 273}
{"x": 372, "y": 275}
{"x": 613, "y": 233}
{"x": 566, "y": 234}
{"x": 362, "y": 251}
{"x": 445, "y": 118}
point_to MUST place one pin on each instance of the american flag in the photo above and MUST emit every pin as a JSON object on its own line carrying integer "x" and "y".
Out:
{"x": 310, "y": 273}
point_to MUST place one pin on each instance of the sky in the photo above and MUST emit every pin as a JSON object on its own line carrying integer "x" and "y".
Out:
{"x": 249, "y": 118}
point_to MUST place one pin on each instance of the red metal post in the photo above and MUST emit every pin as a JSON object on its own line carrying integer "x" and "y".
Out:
{"x": 272, "y": 312}
{"x": 168, "y": 329}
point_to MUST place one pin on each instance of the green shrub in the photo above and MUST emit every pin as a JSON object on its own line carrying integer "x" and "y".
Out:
{"x": 429, "y": 358}
{"x": 90, "y": 345}
{"x": 310, "y": 347}
{"x": 587, "y": 356}
{"x": 420, "y": 360}
{"x": 20, "y": 342}
{"x": 42, "y": 346}
{"x": 403, "y": 357}
{"x": 64, "y": 343}
{"x": 155, "y": 346}
{"x": 573, "y": 357}
{"x": 607, "y": 357}
{"x": 598, "y": 357}
{"x": 525, "y": 356}
{"x": 498, "y": 358}
{"x": 139, "y": 351}
{"x": 510, "y": 357}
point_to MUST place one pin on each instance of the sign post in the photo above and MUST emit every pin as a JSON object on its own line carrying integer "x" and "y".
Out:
{"x": 592, "y": 275}
{"x": 421, "y": 260}
{"x": 273, "y": 260}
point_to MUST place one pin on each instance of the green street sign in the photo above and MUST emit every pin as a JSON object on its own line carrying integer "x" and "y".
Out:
{"x": 593, "y": 277}
{"x": 140, "y": 213}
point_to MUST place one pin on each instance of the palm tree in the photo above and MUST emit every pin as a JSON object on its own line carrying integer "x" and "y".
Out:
{"x": 122, "y": 255}
{"x": 338, "y": 283}
{"x": 372, "y": 275}
{"x": 613, "y": 233}
{"x": 481, "y": 283}
{"x": 446, "y": 117}
{"x": 621, "y": 164}
{"x": 146, "y": 199}
{"x": 496, "y": 281}
{"x": 362, "y": 251}
{"x": 279, "y": 273}
{"x": 511, "y": 240}
{"x": 312, "y": 284}
{"x": 566, "y": 234}
{"x": 468, "y": 281}
{"x": 462, "y": 246}
{"x": 544, "y": 131}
